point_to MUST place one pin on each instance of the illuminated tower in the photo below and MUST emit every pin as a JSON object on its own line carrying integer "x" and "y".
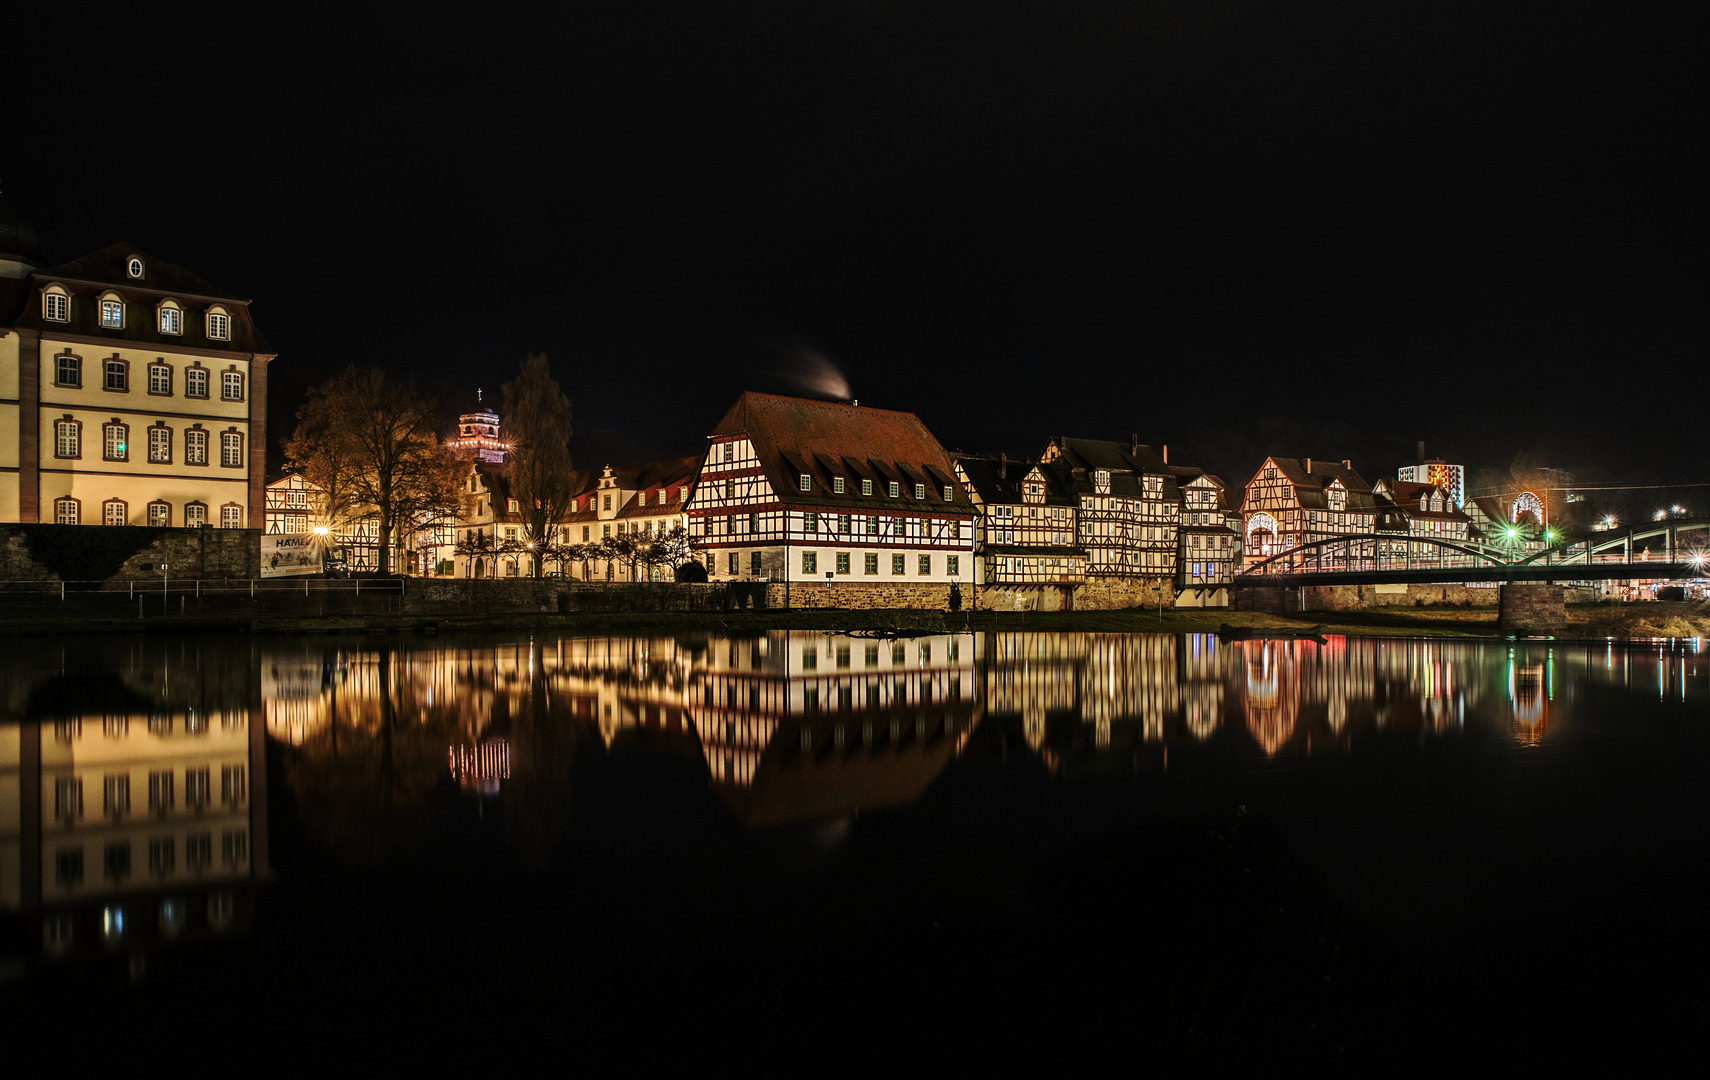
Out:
{"x": 478, "y": 435}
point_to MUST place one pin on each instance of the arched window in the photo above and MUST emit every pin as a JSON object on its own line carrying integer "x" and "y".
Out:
{"x": 219, "y": 324}
{"x": 67, "y": 511}
{"x": 114, "y": 512}
{"x": 160, "y": 514}
{"x": 231, "y": 516}
{"x": 195, "y": 515}
{"x": 112, "y": 308}
{"x": 160, "y": 444}
{"x": 116, "y": 441}
{"x": 56, "y": 304}
{"x": 171, "y": 317}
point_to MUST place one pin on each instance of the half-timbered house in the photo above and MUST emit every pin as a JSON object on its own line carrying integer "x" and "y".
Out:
{"x": 1208, "y": 539}
{"x": 1294, "y": 501}
{"x": 1126, "y": 500}
{"x": 1426, "y": 510}
{"x": 1025, "y": 533}
{"x": 798, "y": 490}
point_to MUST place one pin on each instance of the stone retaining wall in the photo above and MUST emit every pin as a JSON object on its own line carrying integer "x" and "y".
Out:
{"x": 1532, "y": 609}
{"x": 187, "y": 553}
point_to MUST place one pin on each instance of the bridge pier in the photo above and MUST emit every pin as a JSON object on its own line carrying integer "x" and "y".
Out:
{"x": 1532, "y": 608}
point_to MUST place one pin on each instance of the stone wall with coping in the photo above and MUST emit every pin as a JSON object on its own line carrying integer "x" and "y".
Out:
{"x": 204, "y": 553}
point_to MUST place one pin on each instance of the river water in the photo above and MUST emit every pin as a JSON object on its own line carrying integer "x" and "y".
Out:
{"x": 1278, "y": 849}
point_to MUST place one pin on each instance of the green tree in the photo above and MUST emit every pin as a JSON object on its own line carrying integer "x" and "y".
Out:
{"x": 372, "y": 445}
{"x": 537, "y": 418}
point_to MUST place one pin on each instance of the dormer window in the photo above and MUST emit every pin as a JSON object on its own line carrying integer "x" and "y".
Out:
{"x": 949, "y": 493}
{"x": 1101, "y": 481}
{"x": 920, "y": 491}
{"x": 806, "y": 482}
{"x": 219, "y": 324}
{"x": 134, "y": 268}
{"x": 866, "y": 487}
{"x": 112, "y": 313}
{"x": 895, "y": 489}
{"x": 56, "y": 304}
{"x": 1423, "y": 502}
{"x": 837, "y": 484}
{"x": 171, "y": 318}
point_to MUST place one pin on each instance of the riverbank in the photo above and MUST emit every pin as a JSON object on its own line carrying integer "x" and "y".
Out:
{"x": 1643, "y": 620}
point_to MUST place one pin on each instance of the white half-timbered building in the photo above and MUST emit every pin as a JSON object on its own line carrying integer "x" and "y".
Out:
{"x": 1418, "y": 511}
{"x": 1127, "y": 502}
{"x": 798, "y": 490}
{"x": 1025, "y": 534}
{"x": 1208, "y": 538}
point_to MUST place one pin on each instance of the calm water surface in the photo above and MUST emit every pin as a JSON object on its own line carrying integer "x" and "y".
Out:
{"x": 1267, "y": 848}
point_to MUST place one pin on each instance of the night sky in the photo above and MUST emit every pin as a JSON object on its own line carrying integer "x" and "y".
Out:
{"x": 1312, "y": 229}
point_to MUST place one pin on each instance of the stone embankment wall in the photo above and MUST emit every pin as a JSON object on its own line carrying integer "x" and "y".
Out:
{"x": 1293, "y": 600}
{"x": 861, "y": 597}
{"x": 120, "y": 554}
{"x": 1532, "y": 609}
{"x": 521, "y": 596}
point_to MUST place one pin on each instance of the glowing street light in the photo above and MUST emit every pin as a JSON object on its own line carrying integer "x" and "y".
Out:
{"x": 320, "y": 530}
{"x": 1609, "y": 521}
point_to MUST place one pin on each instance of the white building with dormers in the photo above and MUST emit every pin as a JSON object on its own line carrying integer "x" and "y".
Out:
{"x": 794, "y": 490}
{"x": 132, "y": 392}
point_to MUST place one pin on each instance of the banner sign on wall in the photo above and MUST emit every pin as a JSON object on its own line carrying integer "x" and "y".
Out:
{"x": 291, "y": 554}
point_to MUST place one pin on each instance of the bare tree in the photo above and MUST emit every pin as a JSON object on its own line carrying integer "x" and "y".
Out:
{"x": 372, "y": 445}
{"x": 537, "y": 417}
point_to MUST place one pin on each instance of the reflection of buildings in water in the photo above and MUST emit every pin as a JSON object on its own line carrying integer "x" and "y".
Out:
{"x": 481, "y": 767}
{"x": 802, "y": 726}
{"x": 1123, "y": 687}
{"x": 1270, "y": 692}
{"x": 1530, "y": 692}
{"x": 1205, "y": 673}
{"x": 133, "y": 827}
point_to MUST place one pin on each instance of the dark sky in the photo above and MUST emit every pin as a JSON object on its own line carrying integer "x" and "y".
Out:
{"x": 1316, "y": 229}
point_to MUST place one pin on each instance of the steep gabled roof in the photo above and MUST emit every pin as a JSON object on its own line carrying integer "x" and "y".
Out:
{"x": 797, "y": 436}
{"x": 998, "y": 481}
{"x": 1126, "y": 463}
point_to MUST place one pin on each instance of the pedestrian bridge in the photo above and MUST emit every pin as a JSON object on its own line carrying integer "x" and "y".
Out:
{"x": 1371, "y": 559}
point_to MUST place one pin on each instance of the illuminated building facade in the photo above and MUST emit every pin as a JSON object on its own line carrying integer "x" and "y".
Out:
{"x": 1417, "y": 512}
{"x": 1024, "y": 535}
{"x": 1295, "y": 501}
{"x": 647, "y": 501}
{"x": 797, "y": 490}
{"x": 478, "y": 436}
{"x": 1128, "y": 502}
{"x": 132, "y": 392}
{"x": 1451, "y": 478}
{"x": 1208, "y": 535}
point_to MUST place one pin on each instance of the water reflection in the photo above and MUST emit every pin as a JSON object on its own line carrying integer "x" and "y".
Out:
{"x": 132, "y": 775}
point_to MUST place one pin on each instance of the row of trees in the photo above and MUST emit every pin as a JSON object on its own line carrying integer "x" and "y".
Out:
{"x": 371, "y": 445}
{"x": 636, "y": 552}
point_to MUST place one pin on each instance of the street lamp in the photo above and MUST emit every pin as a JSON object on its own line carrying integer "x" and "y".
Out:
{"x": 320, "y": 530}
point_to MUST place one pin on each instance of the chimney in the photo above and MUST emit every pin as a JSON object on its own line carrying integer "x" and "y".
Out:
{"x": 1134, "y": 445}
{"x": 1421, "y": 451}
{"x": 1308, "y": 464}
{"x": 1347, "y": 463}
{"x": 1166, "y": 453}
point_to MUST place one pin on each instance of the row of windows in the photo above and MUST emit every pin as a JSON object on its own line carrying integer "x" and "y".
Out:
{"x": 168, "y": 314}
{"x": 69, "y": 511}
{"x": 162, "y": 856}
{"x": 839, "y": 486}
{"x": 162, "y": 791}
{"x": 870, "y": 563}
{"x": 116, "y": 375}
{"x": 116, "y": 443}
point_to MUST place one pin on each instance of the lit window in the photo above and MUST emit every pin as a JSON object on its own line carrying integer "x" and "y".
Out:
{"x": 112, "y": 315}
{"x": 231, "y": 517}
{"x": 195, "y": 447}
{"x": 159, "y": 379}
{"x": 953, "y": 565}
{"x": 116, "y": 375}
{"x": 160, "y": 445}
{"x": 231, "y": 386}
{"x": 196, "y": 382}
{"x": 114, "y": 512}
{"x": 171, "y": 319}
{"x": 949, "y": 493}
{"x": 68, "y": 370}
{"x": 115, "y": 441}
{"x": 511, "y": 505}
{"x": 219, "y": 326}
{"x": 67, "y": 512}
{"x": 67, "y": 439}
{"x": 56, "y": 306}
{"x": 160, "y": 514}
{"x": 195, "y": 515}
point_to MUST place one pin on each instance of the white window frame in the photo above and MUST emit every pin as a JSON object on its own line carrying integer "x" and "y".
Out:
{"x": 195, "y": 515}
{"x": 112, "y": 314}
{"x": 171, "y": 319}
{"x": 67, "y": 439}
{"x": 56, "y": 306}
{"x": 192, "y": 376}
{"x": 228, "y": 380}
{"x": 219, "y": 326}
{"x": 196, "y": 446}
{"x": 115, "y": 508}
{"x": 67, "y": 511}
{"x": 115, "y": 442}
{"x": 160, "y": 445}
{"x": 231, "y": 516}
{"x": 160, "y": 378}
